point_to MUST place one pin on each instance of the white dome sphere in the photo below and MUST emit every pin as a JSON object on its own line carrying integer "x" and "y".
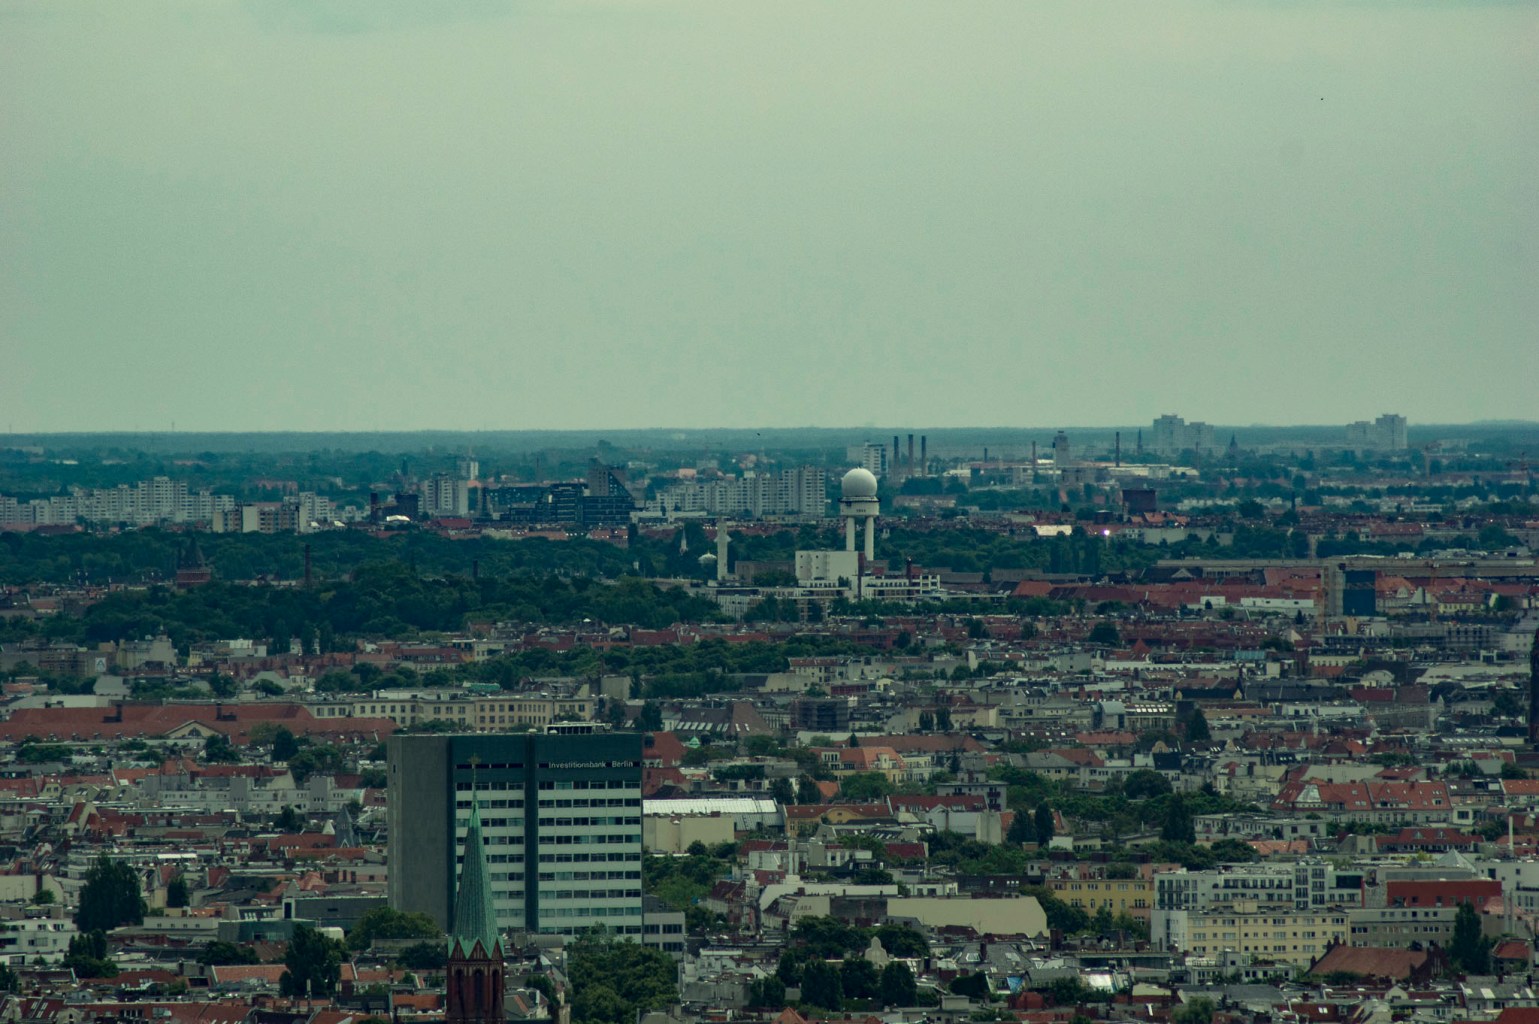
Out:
{"x": 858, "y": 483}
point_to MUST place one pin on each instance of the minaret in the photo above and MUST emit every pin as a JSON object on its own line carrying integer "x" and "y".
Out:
{"x": 473, "y": 977}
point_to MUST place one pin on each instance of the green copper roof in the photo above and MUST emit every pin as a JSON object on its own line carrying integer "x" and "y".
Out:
{"x": 475, "y": 920}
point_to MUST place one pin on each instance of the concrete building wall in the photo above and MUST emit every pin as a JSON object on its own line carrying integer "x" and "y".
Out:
{"x": 1020, "y": 915}
{"x": 661, "y": 833}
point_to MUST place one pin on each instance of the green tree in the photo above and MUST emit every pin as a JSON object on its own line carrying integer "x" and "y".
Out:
{"x": 176, "y": 892}
{"x": 388, "y": 923}
{"x": 859, "y": 978}
{"x": 807, "y": 791}
{"x": 9, "y": 982}
{"x": 898, "y": 986}
{"x": 783, "y": 792}
{"x": 1469, "y": 949}
{"x": 315, "y": 761}
{"x": 1177, "y": 826}
{"x": 651, "y": 717}
{"x": 613, "y": 981}
{"x": 285, "y": 745}
{"x": 219, "y": 748}
{"x": 865, "y": 786}
{"x": 1233, "y": 851}
{"x": 821, "y": 985}
{"x": 902, "y": 941}
{"x": 1023, "y": 829}
{"x": 1145, "y": 783}
{"x": 767, "y": 993}
{"x": 313, "y": 964}
{"x": 1105, "y": 634}
{"x": 1042, "y": 822}
{"x": 1197, "y": 728}
{"x": 973, "y": 986}
{"x": 220, "y": 954}
{"x": 289, "y": 820}
{"x": 110, "y": 897}
{"x": 87, "y": 955}
{"x": 423, "y": 956}
{"x": 1198, "y": 1011}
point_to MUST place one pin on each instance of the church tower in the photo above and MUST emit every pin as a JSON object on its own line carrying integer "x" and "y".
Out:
{"x": 474, "y": 974}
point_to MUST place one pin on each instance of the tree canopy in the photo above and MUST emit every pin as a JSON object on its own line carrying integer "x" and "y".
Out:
{"x": 110, "y": 897}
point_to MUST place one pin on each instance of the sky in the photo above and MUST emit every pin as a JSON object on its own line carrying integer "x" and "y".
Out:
{"x": 381, "y": 214}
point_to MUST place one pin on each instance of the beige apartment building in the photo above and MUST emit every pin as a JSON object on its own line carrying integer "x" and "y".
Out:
{"x": 492, "y": 713}
{"x": 1131, "y": 896}
{"x": 1295, "y": 937}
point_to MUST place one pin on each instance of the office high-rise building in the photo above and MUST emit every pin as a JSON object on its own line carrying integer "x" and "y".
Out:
{"x": 560, "y": 814}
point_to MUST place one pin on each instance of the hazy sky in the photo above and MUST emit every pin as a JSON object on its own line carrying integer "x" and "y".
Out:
{"x": 310, "y": 215}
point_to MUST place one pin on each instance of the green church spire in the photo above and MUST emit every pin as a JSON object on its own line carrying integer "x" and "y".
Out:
{"x": 475, "y": 918}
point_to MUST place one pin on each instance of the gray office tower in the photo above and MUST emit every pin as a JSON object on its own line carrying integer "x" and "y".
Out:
{"x": 560, "y": 816}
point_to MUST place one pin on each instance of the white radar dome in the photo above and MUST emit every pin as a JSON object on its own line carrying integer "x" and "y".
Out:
{"x": 858, "y": 483}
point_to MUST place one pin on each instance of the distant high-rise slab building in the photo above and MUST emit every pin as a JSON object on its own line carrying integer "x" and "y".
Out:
{"x": 1172, "y": 435}
{"x": 1387, "y": 433}
{"x": 790, "y": 492}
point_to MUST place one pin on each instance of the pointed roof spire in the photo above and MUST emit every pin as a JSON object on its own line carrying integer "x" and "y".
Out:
{"x": 475, "y": 919}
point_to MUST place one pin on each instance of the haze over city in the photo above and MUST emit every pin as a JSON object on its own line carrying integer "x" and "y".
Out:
{"x": 362, "y": 216}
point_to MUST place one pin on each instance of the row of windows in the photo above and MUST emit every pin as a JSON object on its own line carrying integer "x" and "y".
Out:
{"x": 590, "y": 840}
{"x": 495, "y": 805}
{"x": 589, "y": 894}
{"x": 590, "y": 858}
{"x": 495, "y": 823}
{"x": 614, "y": 801}
{"x": 597, "y": 912}
{"x": 627, "y": 929}
{"x": 589, "y": 876}
{"x": 589, "y": 822}
{"x": 564, "y": 858}
{"x": 563, "y": 784}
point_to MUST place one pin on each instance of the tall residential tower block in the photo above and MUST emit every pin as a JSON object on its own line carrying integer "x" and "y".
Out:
{"x": 560, "y": 814}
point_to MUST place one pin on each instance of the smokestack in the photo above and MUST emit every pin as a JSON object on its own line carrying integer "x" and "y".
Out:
{"x": 897, "y": 454}
{"x": 307, "y": 566}
{"x": 1033, "y": 457}
{"x": 373, "y": 507}
{"x": 911, "y": 454}
{"x": 924, "y": 455}
{"x": 1140, "y": 448}
{"x": 1119, "y": 448}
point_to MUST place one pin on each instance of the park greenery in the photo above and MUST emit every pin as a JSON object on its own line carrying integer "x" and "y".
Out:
{"x": 614, "y": 982}
{"x": 825, "y": 960}
{"x": 683, "y": 881}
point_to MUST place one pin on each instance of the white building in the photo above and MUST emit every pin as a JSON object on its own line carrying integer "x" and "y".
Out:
{"x": 1387, "y": 433}
{"x": 1171, "y": 435}
{"x": 790, "y": 492}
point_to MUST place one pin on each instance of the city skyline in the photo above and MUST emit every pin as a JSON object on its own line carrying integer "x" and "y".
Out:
{"x": 607, "y": 215}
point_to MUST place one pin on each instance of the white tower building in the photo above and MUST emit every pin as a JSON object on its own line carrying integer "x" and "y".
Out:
{"x": 858, "y": 501}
